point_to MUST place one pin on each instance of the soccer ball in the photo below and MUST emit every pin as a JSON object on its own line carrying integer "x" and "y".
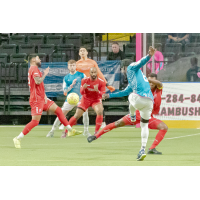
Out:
{"x": 73, "y": 98}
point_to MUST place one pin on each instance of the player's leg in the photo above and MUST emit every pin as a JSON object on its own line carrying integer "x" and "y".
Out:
{"x": 132, "y": 112}
{"x": 86, "y": 124}
{"x": 57, "y": 110}
{"x": 98, "y": 108}
{"x": 162, "y": 127}
{"x": 104, "y": 120}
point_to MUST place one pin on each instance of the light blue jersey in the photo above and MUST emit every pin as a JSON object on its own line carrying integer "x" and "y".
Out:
{"x": 67, "y": 81}
{"x": 137, "y": 81}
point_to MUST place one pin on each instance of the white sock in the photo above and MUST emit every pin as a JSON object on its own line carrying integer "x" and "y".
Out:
{"x": 144, "y": 134}
{"x": 55, "y": 124}
{"x": 69, "y": 128}
{"x": 86, "y": 121}
{"x": 20, "y": 136}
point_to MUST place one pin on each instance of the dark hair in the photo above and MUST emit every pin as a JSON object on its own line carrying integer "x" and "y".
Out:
{"x": 194, "y": 61}
{"x": 31, "y": 57}
{"x": 115, "y": 43}
{"x": 152, "y": 75}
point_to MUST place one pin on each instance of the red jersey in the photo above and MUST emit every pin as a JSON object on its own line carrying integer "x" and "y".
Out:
{"x": 157, "y": 93}
{"x": 89, "y": 92}
{"x": 37, "y": 92}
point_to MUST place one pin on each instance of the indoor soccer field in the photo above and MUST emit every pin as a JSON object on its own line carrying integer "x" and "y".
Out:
{"x": 180, "y": 147}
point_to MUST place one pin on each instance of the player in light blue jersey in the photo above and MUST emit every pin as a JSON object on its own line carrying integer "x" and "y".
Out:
{"x": 71, "y": 84}
{"x": 140, "y": 98}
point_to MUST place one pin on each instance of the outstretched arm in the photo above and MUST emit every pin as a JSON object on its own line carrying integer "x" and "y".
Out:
{"x": 156, "y": 82}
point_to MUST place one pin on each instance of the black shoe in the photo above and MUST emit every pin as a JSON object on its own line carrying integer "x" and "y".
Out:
{"x": 91, "y": 138}
{"x": 154, "y": 151}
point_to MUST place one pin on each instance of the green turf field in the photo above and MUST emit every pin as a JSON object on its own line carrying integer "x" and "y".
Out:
{"x": 116, "y": 148}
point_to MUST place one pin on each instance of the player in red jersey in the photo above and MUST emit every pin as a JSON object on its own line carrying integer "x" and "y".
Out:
{"x": 156, "y": 88}
{"x": 92, "y": 89}
{"x": 39, "y": 101}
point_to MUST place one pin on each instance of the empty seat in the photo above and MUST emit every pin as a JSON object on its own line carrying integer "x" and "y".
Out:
{"x": 57, "y": 57}
{"x": 116, "y": 108}
{"x": 27, "y": 48}
{"x": 169, "y": 57}
{"x": 16, "y": 108}
{"x": 9, "y": 71}
{"x": 63, "y": 34}
{"x": 195, "y": 37}
{"x": 130, "y": 48}
{"x": 3, "y": 57}
{"x": 18, "y": 58}
{"x": 68, "y": 49}
{"x": 45, "y": 34}
{"x": 36, "y": 39}
{"x": 46, "y": 48}
{"x": 130, "y": 56}
{"x": 17, "y": 39}
{"x": 186, "y": 54}
{"x": 27, "y": 34}
{"x": 55, "y": 39}
{"x": 42, "y": 56}
{"x": 76, "y": 40}
{"x": 23, "y": 71}
{"x": 8, "y": 48}
{"x": 193, "y": 47}
{"x": 173, "y": 47}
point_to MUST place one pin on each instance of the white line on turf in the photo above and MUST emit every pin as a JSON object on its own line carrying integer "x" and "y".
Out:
{"x": 182, "y": 136}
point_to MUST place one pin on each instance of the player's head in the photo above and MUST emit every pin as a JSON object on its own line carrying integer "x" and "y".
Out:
{"x": 115, "y": 47}
{"x": 93, "y": 73}
{"x": 153, "y": 76}
{"x": 83, "y": 53}
{"x": 72, "y": 66}
{"x": 35, "y": 60}
{"x": 194, "y": 62}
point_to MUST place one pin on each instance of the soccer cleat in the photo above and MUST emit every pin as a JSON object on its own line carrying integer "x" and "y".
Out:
{"x": 61, "y": 127}
{"x": 133, "y": 118}
{"x": 91, "y": 138}
{"x": 141, "y": 155}
{"x": 74, "y": 132}
{"x": 50, "y": 134}
{"x": 103, "y": 124}
{"x": 154, "y": 151}
{"x": 86, "y": 133}
{"x": 17, "y": 143}
{"x": 63, "y": 135}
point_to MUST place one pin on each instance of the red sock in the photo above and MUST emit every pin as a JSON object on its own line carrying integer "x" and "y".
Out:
{"x": 61, "y": 116}
{"x": 99, "y": 120}
{"x": 29, "y": 126}
{"x": 159, "y": 137}
{"x": 72, "y": 122}
{"x": 106, "y": 129}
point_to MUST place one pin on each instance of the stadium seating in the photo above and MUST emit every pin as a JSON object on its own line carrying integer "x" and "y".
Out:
{"x": 36, "y": 39}
{"x": 3, "y": 57}
{"x": 76, "y": 40}
{"x": 27, "y": 48}
{"x": 169, "y": 57}
{"x": 186, "y": 54}
{"x": 22, "y": 72}
{"x": 17, "y": 39}
{"x": 46, "y": 48}
{"x": 57, "y": 57}
{"x": 9, "y": 72}
{"x": 68, "y": 49}
{"x": 195, "y": 38}
{"x": 130, "y": 48}
{"x": 173, "y": 47}
{"x": 42, "y": 56}
{"x": 54, "y": 39}
{"x": 18, "y": 58}
{"x": 8, "y": 48}
{"x": 193, "y": 47}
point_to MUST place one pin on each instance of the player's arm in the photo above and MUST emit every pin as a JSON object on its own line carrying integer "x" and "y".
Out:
{"x": 45, "y": 99}
{"x": 137, "y": 65}
{"x": 102, "y": 88}
{"x": 83, "y": 87}
{"x": 156, "y": 82}
{"x": 38, "y": 79}
{"x": 122, "y": 93}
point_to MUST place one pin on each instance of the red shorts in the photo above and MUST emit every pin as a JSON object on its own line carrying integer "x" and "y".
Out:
{"x": 38, "y": 107}
{"x": 153, "y": 122}
{"x": 86, "y": 103}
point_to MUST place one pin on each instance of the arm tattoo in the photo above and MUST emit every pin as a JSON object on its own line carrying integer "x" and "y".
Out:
{"x": 39, "y": 80}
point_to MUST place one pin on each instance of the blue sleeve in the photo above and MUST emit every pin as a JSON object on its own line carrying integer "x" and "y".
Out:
{"x": 137, "y": 65}
{"x": 122, "y": 93}
{"x": 65, "y": 84}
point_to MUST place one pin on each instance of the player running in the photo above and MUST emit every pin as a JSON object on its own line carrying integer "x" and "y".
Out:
{"x": 71, "y": 84}
{"x": 156, "y": 89}
{"x": 140, "y": 98}
{"x": 39, "y": 101}
{"x": 92, "y": 89}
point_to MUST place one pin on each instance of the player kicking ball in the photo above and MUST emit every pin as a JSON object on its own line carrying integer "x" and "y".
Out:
{"x": 140, "y": 98}
{"x": 39, "y": 101}
{"x": 92, "y": 89}
{"x": 71, "y": 84}
{"x": 156, "y": 89}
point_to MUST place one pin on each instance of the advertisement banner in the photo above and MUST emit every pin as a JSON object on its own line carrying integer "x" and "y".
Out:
{"x": 58, "y": 70}
{"x": 180, "y": 101}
